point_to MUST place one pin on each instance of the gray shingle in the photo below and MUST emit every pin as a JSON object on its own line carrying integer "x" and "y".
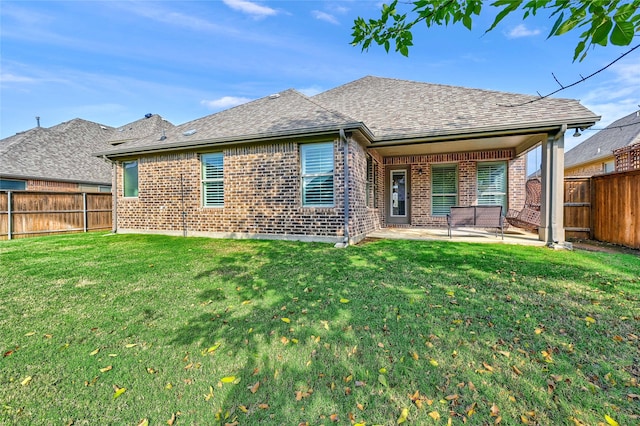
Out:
{"x": 620, "y": 133}
{"x": 394, "y": 108}
{"x": 153, "y": 125}
{"x": 62, "y": 152}
{"x": 288, "y": 112}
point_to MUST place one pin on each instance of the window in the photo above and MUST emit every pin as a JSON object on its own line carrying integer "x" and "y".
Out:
{"x": 371, "y": 187}
{"x": 492, "y": 184}
{"x": 317, "y": 174}
{"x": 11, "y": 185}
{"x": 212, "y": 179}
{"x": 130, "y": 178}
{"x": 609, "y": 166}
{"x": 444, "y": 188}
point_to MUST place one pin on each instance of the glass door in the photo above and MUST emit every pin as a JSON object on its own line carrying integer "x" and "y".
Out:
{"x": 398, "y": 196}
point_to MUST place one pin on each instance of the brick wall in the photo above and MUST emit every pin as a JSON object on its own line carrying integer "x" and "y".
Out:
{"x": 467, "y": 182}
{"x": 362, "y": 218}
{"x": 49, "y": 185}
{"x": 262, "y": 195}
{"x": 586, "y": 169}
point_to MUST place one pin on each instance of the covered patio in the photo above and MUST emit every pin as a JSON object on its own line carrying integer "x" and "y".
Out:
{"x": 467, "y": 235}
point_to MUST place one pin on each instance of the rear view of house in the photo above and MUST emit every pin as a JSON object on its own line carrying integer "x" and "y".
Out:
{"x": 372, "y": 153}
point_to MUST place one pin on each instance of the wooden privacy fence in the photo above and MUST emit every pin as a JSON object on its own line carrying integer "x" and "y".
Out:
{"x": 616, "y": 208}
{"x": 577, "y": 207}
{"x": 34, "y": 213}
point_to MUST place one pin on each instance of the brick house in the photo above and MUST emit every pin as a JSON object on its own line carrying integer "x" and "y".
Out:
{"x": 372, "y": 153}
{"x": 595, "y": 155}
{"x": 60, "y": 158}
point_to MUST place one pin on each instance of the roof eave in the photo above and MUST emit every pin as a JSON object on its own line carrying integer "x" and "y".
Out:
{"x": 242, "y": 139}
{"x": 485, "y": 132}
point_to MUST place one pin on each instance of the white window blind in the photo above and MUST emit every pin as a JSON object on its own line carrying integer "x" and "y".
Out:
{"x": 317, "y": 174}
{"x": 444, "y": 188}
{"x": 492, "y": 184}
{"x": 212, "y": 179}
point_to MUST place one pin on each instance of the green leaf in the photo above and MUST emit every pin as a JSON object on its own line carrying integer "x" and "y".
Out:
{"x": 622, "y": 33}
{"x": 601, "y": 34}
{"x": 556, "y": 25}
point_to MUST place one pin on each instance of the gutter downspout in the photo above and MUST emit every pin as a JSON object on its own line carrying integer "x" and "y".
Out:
{"x": 114, "y": 194}
{"x": 345, "y": 143}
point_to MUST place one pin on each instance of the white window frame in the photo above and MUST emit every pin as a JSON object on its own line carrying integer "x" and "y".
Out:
{"x": 307, "y": 176}
{"x": 443, "y": 195}
{"x": 124, "y": 179}
{"x": 212, "y": 179}
{"x": 496, "y": 188}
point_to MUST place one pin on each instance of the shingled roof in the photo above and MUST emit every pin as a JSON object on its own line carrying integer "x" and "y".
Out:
{"x": 384, "y": 109}
{"x": 620, "y": 133}
{"x": 284, "y": 114}
{"x": 151, "y": 124}
{"x": 397, "y": 109}
{"x": 62, "y": 152}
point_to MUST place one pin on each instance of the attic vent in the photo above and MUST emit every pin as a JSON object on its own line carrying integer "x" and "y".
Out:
{"x": 149, "y": 115}
{"x": 189, "y": 132}
{"x": 103, "y": 128}
{"x": 274, "y": 96}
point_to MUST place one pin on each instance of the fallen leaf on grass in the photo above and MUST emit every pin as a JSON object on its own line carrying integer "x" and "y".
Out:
{"x": 343, "y": 300}
{"x": 31, "y": 333}
{"x": 263, "y": 406}
{"x": 334, "y": 417}
{"x": 243, "y": 408}
{"x": 495, "y": 411}
{"x": 433, "y": 362}
{"x": 434, "y": 415}
{"x": 107, "y": 368}
{"x": 173, "y": 418}
{"x": 143, "y": 422}
{"x": 590, "y": 320}
{"x": 130, "y": 345}
{"x": 26, "y": 381}
{"x": 118, "y": 392}
{"x": 611, "y": 421}
{"x": 208, "y": 396}
{"x": 287, "y": 320}
{"x": 404, "y": 414}
{"x": 94, "y": 352}
{"x": 516, "y": 370}
{"x": 230, "y": 379}
{"x": 254, "y": 388}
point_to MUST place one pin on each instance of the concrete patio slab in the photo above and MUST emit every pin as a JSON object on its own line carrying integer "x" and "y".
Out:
{"x": 467, "y": 235}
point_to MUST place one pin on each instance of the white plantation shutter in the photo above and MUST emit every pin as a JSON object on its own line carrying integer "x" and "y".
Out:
{"x": 317, "y": 174}
{"x": 212, "y": 180}
{"x": 492, "y": 184}
{"x": 444, "y": 188}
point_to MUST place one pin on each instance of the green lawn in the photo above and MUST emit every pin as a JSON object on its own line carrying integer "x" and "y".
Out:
{"x": 128, "y": 329}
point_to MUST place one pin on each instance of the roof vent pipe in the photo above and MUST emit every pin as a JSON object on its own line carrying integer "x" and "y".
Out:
{"x": 38, "y": 121}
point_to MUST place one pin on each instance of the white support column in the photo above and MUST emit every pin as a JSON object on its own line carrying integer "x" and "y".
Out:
{"x": 552, "y": 201}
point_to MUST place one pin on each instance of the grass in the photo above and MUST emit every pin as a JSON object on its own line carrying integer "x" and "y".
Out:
{"x": 201, "y": 331}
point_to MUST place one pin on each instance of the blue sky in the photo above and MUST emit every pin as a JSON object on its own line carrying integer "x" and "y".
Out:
{"x": 113, "y": 62}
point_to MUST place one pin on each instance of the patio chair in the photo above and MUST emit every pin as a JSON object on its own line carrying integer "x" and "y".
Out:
{"x": 529, "y": 217}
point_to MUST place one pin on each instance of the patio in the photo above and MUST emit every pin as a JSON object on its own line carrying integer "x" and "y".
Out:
{"x": 467, "y": 235}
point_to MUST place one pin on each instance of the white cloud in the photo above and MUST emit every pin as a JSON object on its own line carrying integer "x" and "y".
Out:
{"x": 250, "y": 8}
{"x": 323, "y": 16}
{"x": 12, "y": 78}
{"x": 224, "y": 102}
{"x": 522, "y": 31}
{"x": 310, "y": 91}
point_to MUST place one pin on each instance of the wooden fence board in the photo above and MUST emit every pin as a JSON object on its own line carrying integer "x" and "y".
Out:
{"x": 577, "y": 207}
{"x": 37, "y": 213}
{"x": 616, "y": 209}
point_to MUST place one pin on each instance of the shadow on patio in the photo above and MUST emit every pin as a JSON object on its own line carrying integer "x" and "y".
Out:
{"x": 468, "y": 235}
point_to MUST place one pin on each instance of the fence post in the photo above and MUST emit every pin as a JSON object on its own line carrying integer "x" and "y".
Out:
{"x": 9, "y": 218}
{"x": 85, "y": 214}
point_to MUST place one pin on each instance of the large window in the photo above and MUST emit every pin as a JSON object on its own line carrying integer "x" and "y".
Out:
{"x": 492, "y": 184}
{"x": 444, "y": 188}
{"x": 212, "y": 180}
{"x": 317, "y": 174}
{"x": 130, "y": 178}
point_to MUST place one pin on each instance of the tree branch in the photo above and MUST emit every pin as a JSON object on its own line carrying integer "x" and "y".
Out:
{"x": 572, "y": 84}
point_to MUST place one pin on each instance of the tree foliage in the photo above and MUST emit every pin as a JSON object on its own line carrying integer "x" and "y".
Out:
{"x": 601, "y": 22}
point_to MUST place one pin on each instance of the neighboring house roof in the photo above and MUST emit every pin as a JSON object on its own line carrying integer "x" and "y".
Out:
{"x": 384, "y": 109}
{"x": 151, "y": 124}
{"x": 397, "y": 109}
{"x": 59, "y": 153}
{"x": 620, "y": 133}
{"x": 278, "y": 115}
